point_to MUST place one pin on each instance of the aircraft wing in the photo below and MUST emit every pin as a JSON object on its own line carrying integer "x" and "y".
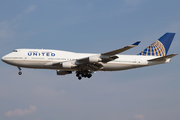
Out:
{"x": 94, "y": 62}
{"x": 80, "y": 65}
{"x": 89, "y": 63}
{"x": 109, "y": 56}
{"x": 114, "y": 52}
{"x": 105, "y": 57}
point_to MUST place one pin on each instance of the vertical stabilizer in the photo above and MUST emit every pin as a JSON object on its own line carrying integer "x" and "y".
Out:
{"x": 160, "y": 47}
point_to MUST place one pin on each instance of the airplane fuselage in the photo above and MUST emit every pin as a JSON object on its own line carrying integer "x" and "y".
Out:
{"x": 45, "y": 58}
{"x": 85, "y": 64}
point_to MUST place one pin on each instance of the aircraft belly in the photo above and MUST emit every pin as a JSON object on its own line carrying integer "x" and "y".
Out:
{"x": 38, "y": 65}
{"x": 29, "y": 64}
{"x": 115, "y": 67}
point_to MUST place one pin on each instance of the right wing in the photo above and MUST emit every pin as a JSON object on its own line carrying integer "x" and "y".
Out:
{"x": 114, "y": 52}
{"x": 109, "y": 56}
{"x": 105, "y": 57}
{"x": 94, "y": 62}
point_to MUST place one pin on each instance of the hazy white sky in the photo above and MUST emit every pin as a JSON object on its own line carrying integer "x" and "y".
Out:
{"x": 150, "y": 93}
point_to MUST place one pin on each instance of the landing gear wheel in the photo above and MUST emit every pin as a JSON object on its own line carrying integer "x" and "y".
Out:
{"x": 77, "y": 75}
{"x": 20, "y": 73}
{"x": 79, "y": 78}
{"x": 90, "y": 75}
{"x": 85, "y": 74}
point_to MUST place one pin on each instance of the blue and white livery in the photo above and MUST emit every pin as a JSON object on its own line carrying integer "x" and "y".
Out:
{"x": 85, "y": 64}
{"x": 160, "y": 47}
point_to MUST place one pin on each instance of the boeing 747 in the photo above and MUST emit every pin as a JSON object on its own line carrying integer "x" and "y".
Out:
{"x": 85, "y": 64}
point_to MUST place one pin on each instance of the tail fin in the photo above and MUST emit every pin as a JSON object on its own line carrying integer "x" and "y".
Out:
{"x": 160, "y": 47}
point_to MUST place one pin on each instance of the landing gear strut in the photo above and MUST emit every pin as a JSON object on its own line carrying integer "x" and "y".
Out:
{"x": 81, "y": 74}
{"x": 20, "y": 73}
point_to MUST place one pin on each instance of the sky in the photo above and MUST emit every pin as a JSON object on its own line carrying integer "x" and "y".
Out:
{"x": 149, "y": 93}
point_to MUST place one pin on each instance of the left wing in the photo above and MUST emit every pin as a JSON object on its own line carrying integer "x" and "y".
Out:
{"x": 93, "y": 63}
{"x": 105, "y": 57}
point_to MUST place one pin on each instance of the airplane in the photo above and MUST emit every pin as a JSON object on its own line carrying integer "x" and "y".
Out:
{"x": 84, "y": 64}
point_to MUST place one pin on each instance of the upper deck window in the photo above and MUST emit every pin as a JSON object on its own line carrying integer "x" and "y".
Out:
{"x": 15, "y": 51}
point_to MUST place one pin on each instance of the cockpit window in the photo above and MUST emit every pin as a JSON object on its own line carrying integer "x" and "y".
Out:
{"x": 15, "y": 51}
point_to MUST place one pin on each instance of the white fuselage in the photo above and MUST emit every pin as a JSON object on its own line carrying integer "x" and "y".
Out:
{"x": 45, "y": 58}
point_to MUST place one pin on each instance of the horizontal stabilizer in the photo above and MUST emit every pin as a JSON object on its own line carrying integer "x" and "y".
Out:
{"x": 163, "y": 58}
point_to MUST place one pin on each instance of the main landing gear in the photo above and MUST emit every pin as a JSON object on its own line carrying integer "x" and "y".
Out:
{"x": 81, "y": 74}
{"x": 20, "y": 73}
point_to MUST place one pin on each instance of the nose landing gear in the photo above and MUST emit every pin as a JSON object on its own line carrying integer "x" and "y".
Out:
{"x": 20, "y": 73}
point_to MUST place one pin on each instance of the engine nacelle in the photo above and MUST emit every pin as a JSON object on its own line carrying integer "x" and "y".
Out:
{"x": 67, "y": 65}
{"x": 94, "y": 59}
{"x": 61, "y": 72}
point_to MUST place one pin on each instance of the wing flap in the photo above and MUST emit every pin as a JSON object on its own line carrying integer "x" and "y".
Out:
{"x": 82, "y": 61}
{"x": 111, "y": 58}
{"x": 94, "y": 66}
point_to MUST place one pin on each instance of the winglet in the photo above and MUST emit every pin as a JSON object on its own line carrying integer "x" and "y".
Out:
{"x": 136, "y": 43}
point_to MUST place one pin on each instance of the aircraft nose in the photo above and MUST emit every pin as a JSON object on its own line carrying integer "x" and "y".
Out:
{"x": 3, "y": 59}
{"x": 6, "y": 60}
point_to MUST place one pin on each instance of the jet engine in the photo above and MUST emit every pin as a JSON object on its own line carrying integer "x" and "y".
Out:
{"x": 61, "y": 72}
{"x": 67, "y": 65}
{"x": 94, "y": 59}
